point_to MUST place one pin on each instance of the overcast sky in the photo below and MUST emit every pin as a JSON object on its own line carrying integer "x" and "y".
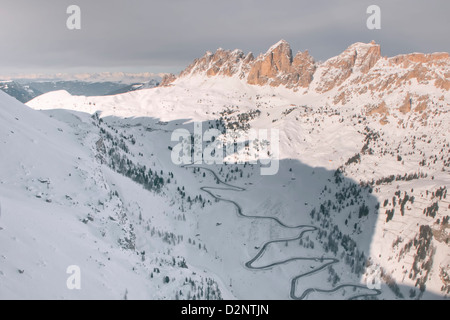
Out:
{"x": 165, "y": 36}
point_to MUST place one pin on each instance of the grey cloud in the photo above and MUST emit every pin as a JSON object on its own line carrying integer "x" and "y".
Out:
{"x": 158, "y": 36}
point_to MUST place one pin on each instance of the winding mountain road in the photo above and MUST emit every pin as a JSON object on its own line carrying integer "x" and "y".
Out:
{"x": 304, "y": 229}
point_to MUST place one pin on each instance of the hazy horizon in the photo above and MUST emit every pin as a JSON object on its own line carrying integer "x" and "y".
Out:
{"x": 163, "y": 37}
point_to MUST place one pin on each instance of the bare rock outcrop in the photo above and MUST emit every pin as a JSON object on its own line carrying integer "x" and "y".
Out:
{"x": 359, "y": 57}
{"x": 359, "y": 70}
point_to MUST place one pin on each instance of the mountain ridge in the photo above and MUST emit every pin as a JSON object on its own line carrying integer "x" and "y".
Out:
{"x": 359, "y": 75}
{"x": 382, "y": 122}
{"x": 22, "y": 92}
{"x": 280, "y": 67}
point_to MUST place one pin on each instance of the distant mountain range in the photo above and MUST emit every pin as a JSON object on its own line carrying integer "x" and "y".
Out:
{"x": 27, "y": 91}
{"x": 122, "y": 77}
{"x": 135, "y": 86}
{"x": 23, "y": 93}
{"x": 79, "y": 88}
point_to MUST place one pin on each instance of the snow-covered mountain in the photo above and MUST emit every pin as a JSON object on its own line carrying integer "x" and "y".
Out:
{"x": 78, "y": 88}
{"x": 359, "y": 73}
{"x": 23, "y": 93}
{"x": 136, "y": 86}
{"x": 361, "y": 191}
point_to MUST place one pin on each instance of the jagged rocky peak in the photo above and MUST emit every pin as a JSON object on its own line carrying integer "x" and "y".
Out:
{"x": 434, "y": 67}
{"x": 277, "y": 59}
{"x": 361, "y": 64}
{"x": 278, "y": 67}
{"x": 359, "y": 57}
{"x": 167, "y": 80}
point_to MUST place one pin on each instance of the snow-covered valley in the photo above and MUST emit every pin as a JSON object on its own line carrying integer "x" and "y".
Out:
{"x": 361, "y": 193}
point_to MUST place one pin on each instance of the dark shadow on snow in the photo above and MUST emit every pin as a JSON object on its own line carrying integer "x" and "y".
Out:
{"x": 340, "y": 221}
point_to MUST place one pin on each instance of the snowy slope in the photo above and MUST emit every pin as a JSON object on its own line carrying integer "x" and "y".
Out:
{"x": 61, "y": 207}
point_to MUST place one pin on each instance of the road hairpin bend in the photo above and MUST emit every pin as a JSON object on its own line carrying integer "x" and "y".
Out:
{"x": 303, "y": 230}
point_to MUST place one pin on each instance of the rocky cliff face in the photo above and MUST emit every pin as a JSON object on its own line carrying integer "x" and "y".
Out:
{"x": 223, "y": 62}
{"x": 279, "y": 67}
{"x": 360, "y": 69}
{"x": 358, "y": 58}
